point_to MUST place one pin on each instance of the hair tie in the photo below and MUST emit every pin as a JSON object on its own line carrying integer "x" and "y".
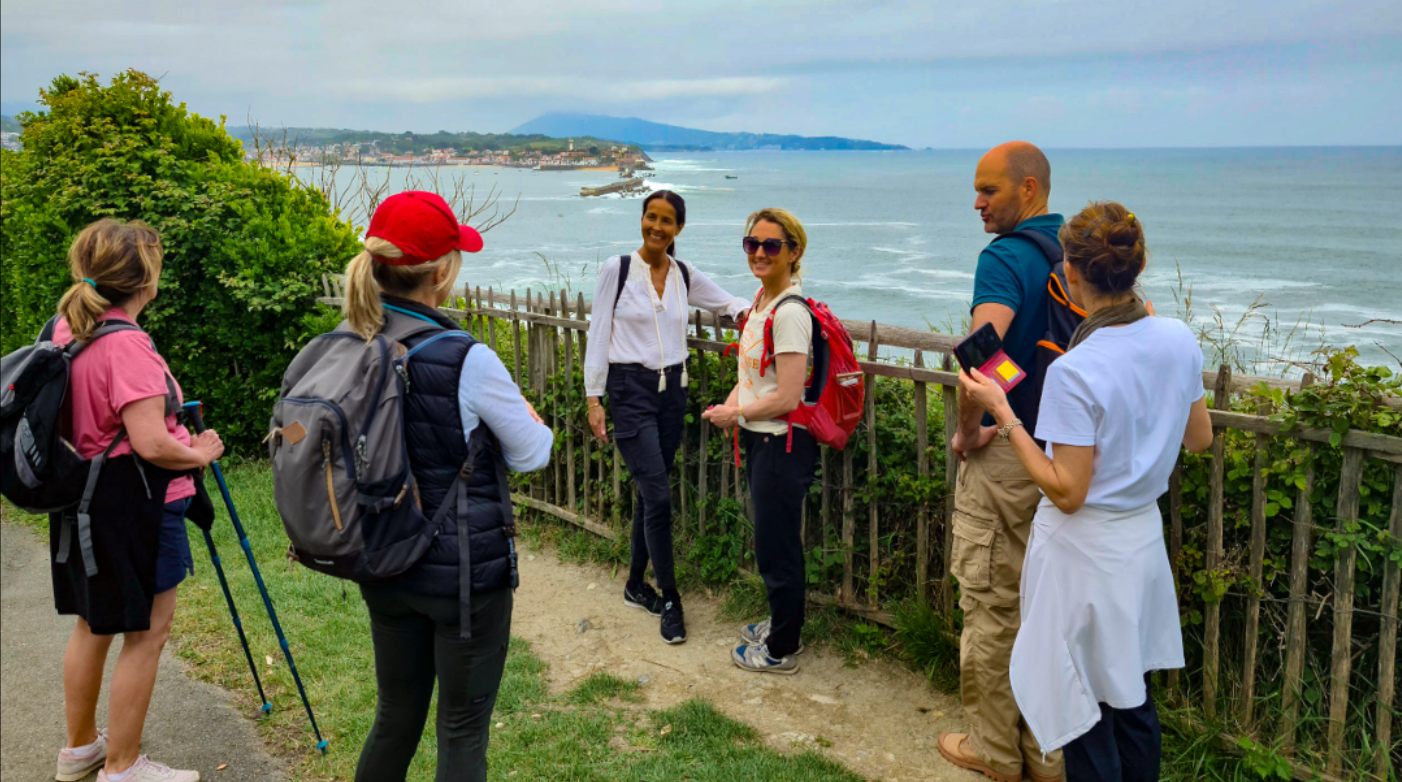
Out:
{"x": 1130, "y": 218}
{"x": 90, "y": 282}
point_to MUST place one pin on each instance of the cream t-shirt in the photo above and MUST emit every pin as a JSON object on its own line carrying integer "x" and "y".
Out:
{"x": 793, "y": 333}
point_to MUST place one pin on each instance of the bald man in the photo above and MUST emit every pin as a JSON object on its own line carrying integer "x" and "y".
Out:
{"x": 995, "y": 499}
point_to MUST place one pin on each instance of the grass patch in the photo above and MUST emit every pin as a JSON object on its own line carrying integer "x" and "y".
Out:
{"x": 928, "y": 641}
{"x": 599, "y": 687}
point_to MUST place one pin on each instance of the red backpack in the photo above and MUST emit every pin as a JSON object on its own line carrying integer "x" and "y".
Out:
{"x": 834, "y": 392}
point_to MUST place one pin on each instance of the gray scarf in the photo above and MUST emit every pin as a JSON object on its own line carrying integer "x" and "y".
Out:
{"x": 1121, "y": 314}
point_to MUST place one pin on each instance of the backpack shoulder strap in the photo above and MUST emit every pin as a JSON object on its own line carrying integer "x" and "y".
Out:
{"x": 46, "y": 334}
{"x": 400, "y": 327}
{"x": 624, "y": 261}
{"x": 107, "y": 327}
{"x": 768, "y": 355}
{"x": 1050, "y": 248}
{"x": 686, "y": 275}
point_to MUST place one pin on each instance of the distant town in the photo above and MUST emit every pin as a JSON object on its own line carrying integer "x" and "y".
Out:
{"x": 622, "y": 158}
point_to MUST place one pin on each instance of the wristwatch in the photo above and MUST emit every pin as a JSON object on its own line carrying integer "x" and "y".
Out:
{"x": 740, "y": 416}
{"x": 1006, "y": 430}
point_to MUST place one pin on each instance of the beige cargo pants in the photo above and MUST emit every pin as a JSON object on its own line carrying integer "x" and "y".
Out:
{"x": 994, "y": 500}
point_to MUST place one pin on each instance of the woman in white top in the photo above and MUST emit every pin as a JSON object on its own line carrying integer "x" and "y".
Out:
{"x": 1099, "y": 611}
{"x": 637, "y": 354}
{"x": 779, "y": 468}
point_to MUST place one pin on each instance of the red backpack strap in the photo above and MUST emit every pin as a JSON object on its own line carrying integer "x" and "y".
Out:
{"x": 768, "y": 357}
{"x": 736, "y": 433}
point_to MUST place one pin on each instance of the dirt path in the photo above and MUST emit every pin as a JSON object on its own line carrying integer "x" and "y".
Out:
{"x": 191, "y": 724}
{"x": 880, "y": 718}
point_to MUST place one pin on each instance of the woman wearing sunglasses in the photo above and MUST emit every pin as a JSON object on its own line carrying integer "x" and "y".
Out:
{"x": 637, "y": 353}
{"x": 779, "y": 468}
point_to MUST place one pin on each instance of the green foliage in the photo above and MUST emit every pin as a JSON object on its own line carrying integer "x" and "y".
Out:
{"x": 929, "y": 641}
{"x": 1263, "y": 760}
{"x": 245, "y": 248}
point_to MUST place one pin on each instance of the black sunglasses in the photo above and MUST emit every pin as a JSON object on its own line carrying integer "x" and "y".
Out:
{"x": 771, "y": 246}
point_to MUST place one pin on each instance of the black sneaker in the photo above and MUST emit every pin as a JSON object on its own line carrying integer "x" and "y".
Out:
{"x": 673, "y": 622}
{"x": 643, "y": 596}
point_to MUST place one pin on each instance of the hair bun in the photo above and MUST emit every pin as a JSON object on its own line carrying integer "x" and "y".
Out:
{"x": 1105, "y": 242}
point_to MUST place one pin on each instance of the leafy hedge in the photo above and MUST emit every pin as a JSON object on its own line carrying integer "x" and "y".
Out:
{"x": 245, "y": 247}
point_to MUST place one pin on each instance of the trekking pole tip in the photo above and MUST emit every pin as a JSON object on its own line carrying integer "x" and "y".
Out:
{"x": 321, "y": 745}
{"x": 266, "y": 707}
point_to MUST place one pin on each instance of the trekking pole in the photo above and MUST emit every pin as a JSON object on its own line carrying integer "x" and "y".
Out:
{"x": 192, "y": 409}
{"x": 238, "y": 624}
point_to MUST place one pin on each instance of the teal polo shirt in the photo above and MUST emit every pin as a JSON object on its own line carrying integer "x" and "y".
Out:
{"x": 1014, "y": 272}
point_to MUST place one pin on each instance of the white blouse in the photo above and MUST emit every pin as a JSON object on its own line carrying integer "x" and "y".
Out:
{"x": 642, "y": 327}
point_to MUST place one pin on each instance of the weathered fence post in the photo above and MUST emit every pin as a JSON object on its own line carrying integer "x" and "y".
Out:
{"x": 1350, "y": 482}
{"x": 1175, "y": 540}
{"x": 516, "y": 339}
{"x": 1212, "y": 611}
{"x": 1387, "y": 651}
{"x": 587, "y": 440}
{"x": 1258, "y": 558}
{"x": 922, "y": 468}
{"x": 1301, "y": 546}
{"x": 492, "y": 320}
{"x": 570, "y": 495}
{"x": 873, "y": 520}
{"x": 951, "y": 480}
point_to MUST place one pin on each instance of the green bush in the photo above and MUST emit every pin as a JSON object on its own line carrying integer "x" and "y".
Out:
{"x": 245, "y": 247}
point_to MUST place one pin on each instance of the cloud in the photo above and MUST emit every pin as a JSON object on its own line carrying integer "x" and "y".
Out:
{"x": 912, "y": 71}
{"x": 434, "y": 89}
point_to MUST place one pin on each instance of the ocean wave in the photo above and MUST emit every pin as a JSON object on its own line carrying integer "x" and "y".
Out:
{"x": 891, "y": 223}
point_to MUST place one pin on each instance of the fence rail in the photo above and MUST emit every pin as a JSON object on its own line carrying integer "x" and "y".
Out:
{"x": 545, "y": 336}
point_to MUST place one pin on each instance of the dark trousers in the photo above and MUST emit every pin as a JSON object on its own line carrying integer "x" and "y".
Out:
{"x": 1125, "y": 746}
{"x": 416, "y": 643}
{"x": 779, "y": 479}
{"x": 647, "y": 424}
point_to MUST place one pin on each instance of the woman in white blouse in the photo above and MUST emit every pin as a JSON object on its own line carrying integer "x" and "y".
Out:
{"x": 637, "y": 355}
{"x": 1099, "y": 610}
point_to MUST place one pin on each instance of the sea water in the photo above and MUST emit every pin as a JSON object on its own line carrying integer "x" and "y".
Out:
{"x": 1309, "y": 238}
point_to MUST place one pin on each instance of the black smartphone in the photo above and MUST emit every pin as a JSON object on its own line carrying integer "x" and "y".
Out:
{"x": 977, "y": 349}
{"x": 983, "y": 350}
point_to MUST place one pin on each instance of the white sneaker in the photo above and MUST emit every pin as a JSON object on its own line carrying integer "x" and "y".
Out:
{"x": 148, "y": 770}
{"x": 73, "y": 764}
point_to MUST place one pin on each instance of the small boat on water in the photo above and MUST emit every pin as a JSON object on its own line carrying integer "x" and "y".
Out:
{"x": 730, "y": 176}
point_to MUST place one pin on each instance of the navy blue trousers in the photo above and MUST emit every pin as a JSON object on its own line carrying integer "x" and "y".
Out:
{"x": 1125, "y": 746}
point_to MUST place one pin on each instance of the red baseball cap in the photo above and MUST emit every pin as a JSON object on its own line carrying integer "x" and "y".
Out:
{"x": 422, "y": 226}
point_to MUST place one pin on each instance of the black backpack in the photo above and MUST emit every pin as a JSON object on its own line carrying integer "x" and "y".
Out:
{"x": 624, "y": 261}
{"x": 40, "y": 471}
{"x": 1064, "y": 315}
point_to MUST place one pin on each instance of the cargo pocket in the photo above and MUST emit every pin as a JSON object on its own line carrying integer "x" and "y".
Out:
{"x": 971, "y": 560}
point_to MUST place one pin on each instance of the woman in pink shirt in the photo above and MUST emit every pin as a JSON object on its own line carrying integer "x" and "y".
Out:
{"x": 123, "y": 401}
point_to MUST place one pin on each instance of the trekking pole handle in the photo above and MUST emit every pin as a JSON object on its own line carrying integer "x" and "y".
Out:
{"x": 192, "y": 412}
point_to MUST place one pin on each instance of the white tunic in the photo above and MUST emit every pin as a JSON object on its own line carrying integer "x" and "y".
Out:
{"x": 644, "y": 328}
{"x": 1099, "y": 608}
{"x": 1098, "y": 611}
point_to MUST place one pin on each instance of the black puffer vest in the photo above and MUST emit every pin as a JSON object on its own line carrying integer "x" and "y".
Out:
{"x": 441, "y": 458}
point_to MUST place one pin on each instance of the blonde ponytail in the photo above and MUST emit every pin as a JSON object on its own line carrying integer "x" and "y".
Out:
{"x": 366, "y": 280}
{"x": 111, "y": 262}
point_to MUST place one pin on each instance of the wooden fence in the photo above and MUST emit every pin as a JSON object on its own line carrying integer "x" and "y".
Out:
{"x": 543, "y": 338}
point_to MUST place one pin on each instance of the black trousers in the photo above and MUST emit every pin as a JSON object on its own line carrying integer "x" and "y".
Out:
{"x": 647, "y": 424}
{"x": 416, "y": 643}
{"x": 1125, "y": 746}
{"x": 779, "y": 479}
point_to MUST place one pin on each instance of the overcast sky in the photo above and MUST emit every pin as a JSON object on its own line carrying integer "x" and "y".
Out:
{"x": 941, "y": 74}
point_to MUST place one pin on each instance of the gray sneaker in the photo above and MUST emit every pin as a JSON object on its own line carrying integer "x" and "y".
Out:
{"x": 73, "y": 765}
{"x": 148, "y": 770}
{"x": 758, "y": 634}
{"x": 756, "y": 658}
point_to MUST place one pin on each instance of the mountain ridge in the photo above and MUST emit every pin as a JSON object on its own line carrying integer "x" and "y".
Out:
{"x": 657, "y": 135}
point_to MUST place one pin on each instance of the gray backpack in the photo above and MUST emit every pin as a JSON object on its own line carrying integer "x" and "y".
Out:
{"x": 341, "y": 473}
